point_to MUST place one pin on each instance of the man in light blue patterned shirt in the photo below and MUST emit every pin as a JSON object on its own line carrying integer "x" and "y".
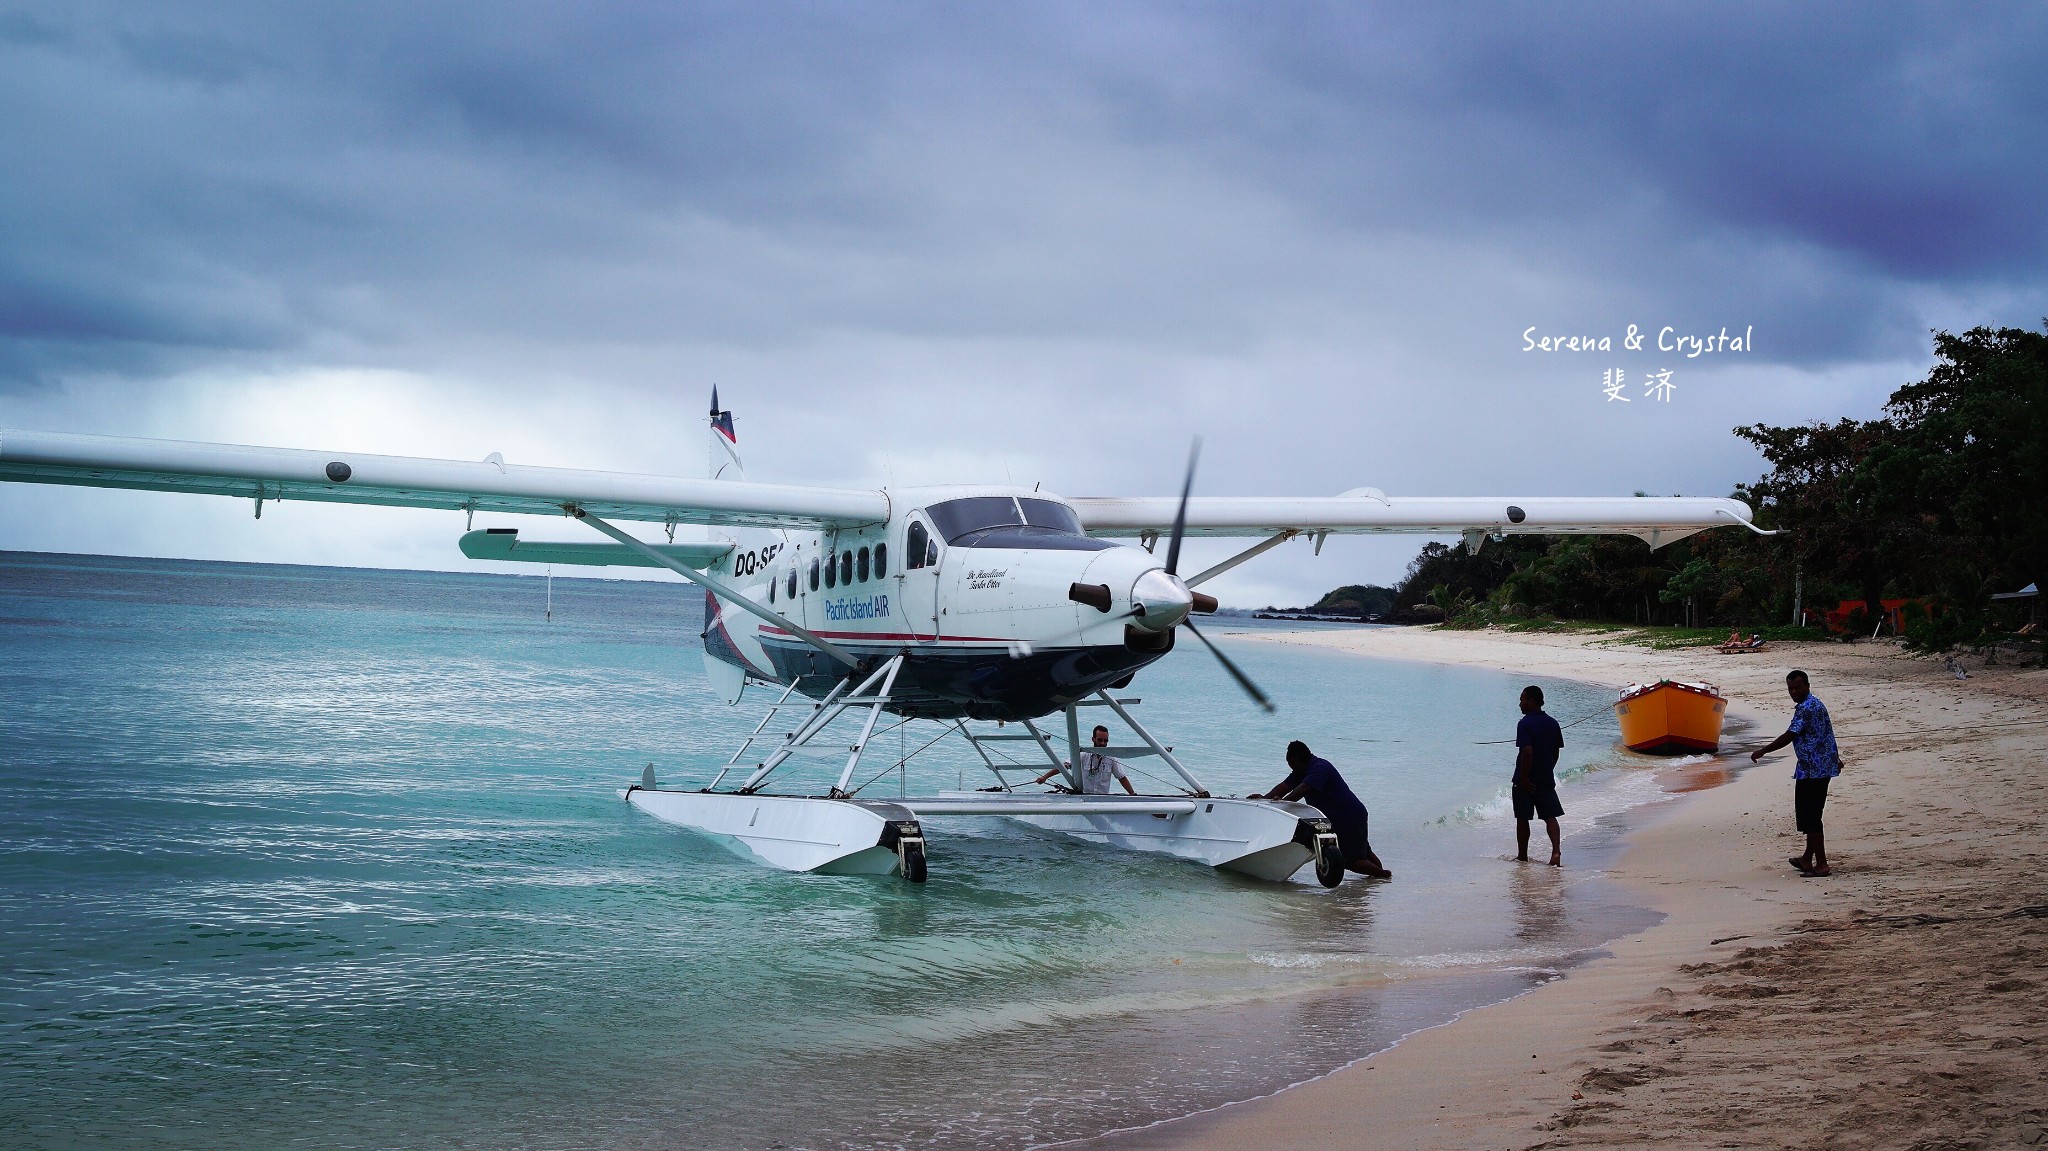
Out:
{"x": 1812, "y": 736}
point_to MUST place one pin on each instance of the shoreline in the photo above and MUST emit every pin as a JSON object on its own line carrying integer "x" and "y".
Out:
{"x": 1687, "y": 1018}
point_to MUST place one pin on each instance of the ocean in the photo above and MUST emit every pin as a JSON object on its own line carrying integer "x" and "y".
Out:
{"x": 331, "y": 857}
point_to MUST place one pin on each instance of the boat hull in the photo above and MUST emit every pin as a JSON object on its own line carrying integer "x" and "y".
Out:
{"x": 1671, "y": 719}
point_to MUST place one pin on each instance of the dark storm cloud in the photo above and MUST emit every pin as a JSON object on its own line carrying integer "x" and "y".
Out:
{"x": 1900, "y": 135}
{"x": 381, "y": 183}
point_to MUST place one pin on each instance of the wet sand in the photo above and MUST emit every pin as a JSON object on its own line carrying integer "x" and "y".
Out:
{"x": 1901, "y": 1002}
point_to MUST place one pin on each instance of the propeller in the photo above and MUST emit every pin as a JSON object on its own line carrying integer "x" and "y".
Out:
{"x": 1180, "y": 514}
{"x": 1203, "y": 602}
{"x": 1244, "y": 681}
{"x": 1100, "y": 597}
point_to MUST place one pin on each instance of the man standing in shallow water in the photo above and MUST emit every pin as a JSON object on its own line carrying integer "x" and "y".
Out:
{"x": 1538, "y": 739}
{"x": 1812, "y": 736}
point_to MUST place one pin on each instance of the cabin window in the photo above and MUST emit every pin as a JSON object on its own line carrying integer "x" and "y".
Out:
{"x": 846, "y": 567}
{"x": 831, "y": 573}
{"x": 1048, "y": 514}
{"x": 860, "y": 564}
{"x": 1011, "y": 522}
{"x": 881, "y": 560}
{"x": 814, "y": 573}
{"x": 792, "y": 581}
{"x": 914, "y": 544}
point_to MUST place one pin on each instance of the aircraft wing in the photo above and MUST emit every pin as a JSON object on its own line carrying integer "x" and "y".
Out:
{"x": 404, "y": 481}
{"x": 1657, "y": 520}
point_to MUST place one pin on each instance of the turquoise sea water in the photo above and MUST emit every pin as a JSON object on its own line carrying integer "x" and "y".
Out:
{"x": 334, "y": 858}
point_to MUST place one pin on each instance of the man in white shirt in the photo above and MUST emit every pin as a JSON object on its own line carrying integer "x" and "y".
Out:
{"x": 1097, "y": 769}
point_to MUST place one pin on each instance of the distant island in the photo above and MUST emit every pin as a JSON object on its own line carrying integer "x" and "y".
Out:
{"x": 1352, "y": 603}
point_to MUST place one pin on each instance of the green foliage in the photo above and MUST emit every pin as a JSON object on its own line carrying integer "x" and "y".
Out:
{"x": 1970, "y": 465}
{"x": 1943, "y": 631}
{"x": 1689, "y": 582}
{"x": 1447, "y": 576}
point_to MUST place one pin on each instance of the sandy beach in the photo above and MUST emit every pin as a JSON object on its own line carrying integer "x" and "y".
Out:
{"x": 1901, "y": 1002}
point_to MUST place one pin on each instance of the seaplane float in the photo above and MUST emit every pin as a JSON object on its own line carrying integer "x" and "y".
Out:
{"x": 997, "y": 614}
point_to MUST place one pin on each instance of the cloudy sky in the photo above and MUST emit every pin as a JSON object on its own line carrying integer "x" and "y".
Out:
{"x": 957, "y": 243}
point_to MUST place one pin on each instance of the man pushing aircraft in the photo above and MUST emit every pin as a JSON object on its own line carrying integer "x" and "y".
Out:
{"x": 1315, "y": 781}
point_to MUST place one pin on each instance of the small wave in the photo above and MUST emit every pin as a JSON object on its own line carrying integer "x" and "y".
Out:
{"x": 1288, "y": 960}
{"x": 1497, "y": 806}
{"x": 1589, "y": 791}
{"x": 1299, "y": 960}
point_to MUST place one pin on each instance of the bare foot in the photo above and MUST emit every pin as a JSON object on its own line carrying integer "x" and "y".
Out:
{"x": 1521, "y": 859}
{"x": 1557, "y": 861}
{"x": 1801, "y": 862}
{"x": 1817, "y": 872}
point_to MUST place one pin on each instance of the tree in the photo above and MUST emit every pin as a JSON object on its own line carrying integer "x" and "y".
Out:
{"x": 1689, "y": 583}
{"x": 1836, "y": 526}
{"x": 1968, "y": 461}
{"x": 1357, "y": 599}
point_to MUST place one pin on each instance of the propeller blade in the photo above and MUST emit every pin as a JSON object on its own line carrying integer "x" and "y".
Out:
{"x": 1244, "y": 681}
{"x": 1180, "y": 516}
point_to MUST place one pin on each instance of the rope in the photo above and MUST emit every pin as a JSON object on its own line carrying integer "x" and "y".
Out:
{"x": 1567, "y": 727}
{"x": 1850, "y": 734}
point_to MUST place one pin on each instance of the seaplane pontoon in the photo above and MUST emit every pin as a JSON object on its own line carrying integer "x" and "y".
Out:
{"x": 987, "y": 613}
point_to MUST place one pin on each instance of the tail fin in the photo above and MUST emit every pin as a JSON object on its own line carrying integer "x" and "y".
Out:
{"x": 725, "y": 445}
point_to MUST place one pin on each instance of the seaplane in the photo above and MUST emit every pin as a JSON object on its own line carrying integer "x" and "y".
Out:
{"x": 996, "y": 614}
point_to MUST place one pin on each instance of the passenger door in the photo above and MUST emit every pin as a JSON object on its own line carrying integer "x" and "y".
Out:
{"x": 917, "y": 579}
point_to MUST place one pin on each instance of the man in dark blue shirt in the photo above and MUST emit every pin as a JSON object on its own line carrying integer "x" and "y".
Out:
{"x": 1538, "y": 739}
{"x": 1316, "y": 782}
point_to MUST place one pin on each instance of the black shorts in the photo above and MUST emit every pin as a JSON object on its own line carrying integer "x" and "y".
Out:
{"x": 1808, "y": 797}
{"x": 1530, "y": 804}
{"x": 1352, "y": 837}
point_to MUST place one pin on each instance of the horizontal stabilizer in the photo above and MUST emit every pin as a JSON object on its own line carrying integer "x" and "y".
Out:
{"x": 505, "y": 544}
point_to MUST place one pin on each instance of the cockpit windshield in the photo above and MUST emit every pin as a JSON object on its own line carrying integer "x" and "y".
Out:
{"x": 1011, "y": 522}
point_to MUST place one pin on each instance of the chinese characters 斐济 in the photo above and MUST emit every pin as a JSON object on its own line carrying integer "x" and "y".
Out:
{"x": 1657, "y": 385}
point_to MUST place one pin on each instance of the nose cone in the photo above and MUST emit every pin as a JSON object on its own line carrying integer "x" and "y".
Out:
{"x": 1159, "y": 601}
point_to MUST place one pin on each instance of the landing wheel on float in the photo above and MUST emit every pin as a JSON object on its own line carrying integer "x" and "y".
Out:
{"x": 910, "y": 854}
{"x": 1329, "y": 861}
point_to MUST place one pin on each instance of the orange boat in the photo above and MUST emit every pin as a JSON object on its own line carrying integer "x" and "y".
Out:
{"x": 1669, "y": 717}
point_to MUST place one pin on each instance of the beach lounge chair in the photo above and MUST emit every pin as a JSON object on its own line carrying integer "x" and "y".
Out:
{"x": 1753, "y": 643}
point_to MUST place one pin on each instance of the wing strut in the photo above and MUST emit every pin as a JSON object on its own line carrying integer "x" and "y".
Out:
{"x": 1252, "y": 552}
{"x": 716, "y": 586}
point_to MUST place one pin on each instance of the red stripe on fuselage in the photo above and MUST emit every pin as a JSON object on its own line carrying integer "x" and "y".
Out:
{"x": 891, "y": 635}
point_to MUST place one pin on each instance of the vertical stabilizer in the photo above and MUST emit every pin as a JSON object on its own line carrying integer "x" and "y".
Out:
{"x": 725, "y": 444}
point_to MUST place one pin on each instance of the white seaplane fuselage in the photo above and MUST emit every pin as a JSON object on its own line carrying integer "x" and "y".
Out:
{"x": 973, "y": 586}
